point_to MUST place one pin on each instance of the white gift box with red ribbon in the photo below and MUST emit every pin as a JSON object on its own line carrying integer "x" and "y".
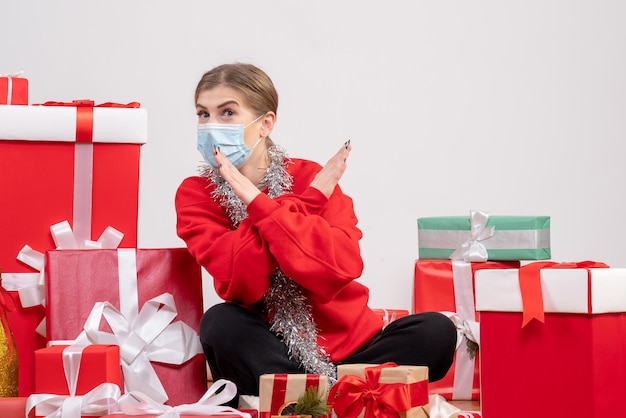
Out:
{"x": 552, "y": 339}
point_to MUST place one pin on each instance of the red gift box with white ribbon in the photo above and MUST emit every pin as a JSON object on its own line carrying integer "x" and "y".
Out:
{"x": 147, "y": 301}
{"x": 390, "y": 315}
{"x": 13, "y": 89}
{"x": 448, "y": 286}
{"x": 76, "y": 381}
{"x": 552, "y": 338}
{"x": 74, "y": 164}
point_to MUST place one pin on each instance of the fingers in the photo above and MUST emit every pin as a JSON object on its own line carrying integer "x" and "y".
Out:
{"x": 219, "y": 157}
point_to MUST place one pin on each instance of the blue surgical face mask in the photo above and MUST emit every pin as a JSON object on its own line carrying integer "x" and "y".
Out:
{"x": 229, "y": 138}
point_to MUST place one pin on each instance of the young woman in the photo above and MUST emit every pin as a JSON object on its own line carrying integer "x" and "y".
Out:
{"x": 280, "y": 239}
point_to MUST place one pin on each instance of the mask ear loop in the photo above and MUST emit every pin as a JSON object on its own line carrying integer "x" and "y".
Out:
{"x": 261, "y": 138}
{"x": 254, "y": 121}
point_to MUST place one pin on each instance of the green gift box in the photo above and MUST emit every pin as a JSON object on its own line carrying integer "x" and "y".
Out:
{"x": 480, "y": 237}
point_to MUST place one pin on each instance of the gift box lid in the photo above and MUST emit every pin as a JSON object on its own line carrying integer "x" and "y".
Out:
{"x": 58, "y": 123}
{"x": 576, "y": 290}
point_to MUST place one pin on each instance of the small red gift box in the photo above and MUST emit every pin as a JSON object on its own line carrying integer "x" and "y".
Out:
{"x": 278, "y": 391}
{"x": 552, "y": 338}
{"x": 88, "y": 374}
{"x": 389, "y": 315}
{"x": 13, "y": 89}
{"x": 14, "y": 408}
{"x": 447, "y": 286}
{"x": 149, "y": 301}
{"x": 383, "y": 390}
{"x": 98, "y": 364}
{"x": 77, "y": 163}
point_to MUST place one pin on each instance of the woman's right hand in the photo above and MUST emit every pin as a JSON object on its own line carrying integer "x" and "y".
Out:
{"x": 326, "y": 180}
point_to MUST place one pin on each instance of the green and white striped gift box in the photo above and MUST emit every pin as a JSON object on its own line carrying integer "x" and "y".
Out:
{"x": 497, "y": 237}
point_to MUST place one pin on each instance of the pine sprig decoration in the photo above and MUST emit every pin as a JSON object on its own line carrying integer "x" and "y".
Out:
{"x": 472, "y": 348}
{"x": 310, "y": 403}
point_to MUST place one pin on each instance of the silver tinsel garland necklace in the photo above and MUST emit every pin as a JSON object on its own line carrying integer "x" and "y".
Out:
{"x": 288, "y": 308}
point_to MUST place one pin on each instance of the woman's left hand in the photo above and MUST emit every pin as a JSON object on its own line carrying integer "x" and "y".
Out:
{"x": 242, "y": 186}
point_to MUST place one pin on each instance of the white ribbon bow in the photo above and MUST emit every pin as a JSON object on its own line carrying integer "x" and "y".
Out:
{"x": 440, "y": 408}
{"x": 473, "y": 249}
{"x": 31, "y": 286}
{"x": 150, "y": 336}
{"x": 464, "y": 328}
{"x": 138, "y": 403}
{"x": 100, "y": 400}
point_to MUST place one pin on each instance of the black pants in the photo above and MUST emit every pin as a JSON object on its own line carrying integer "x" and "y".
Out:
{"x": 239, "y": 346}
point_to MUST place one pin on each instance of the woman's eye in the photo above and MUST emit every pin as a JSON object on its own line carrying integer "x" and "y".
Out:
{"x": 202, "y": 114}
{"x": 228, "y": 112}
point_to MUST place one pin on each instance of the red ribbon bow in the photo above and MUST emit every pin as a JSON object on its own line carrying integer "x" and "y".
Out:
{"x": 381, "y": 400}
{"x": 530, "y": 285}
{"x": 84, "y": 115}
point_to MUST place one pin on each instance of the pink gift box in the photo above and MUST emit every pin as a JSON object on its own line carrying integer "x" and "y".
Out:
{"x": 571, "y": 364}
{"x": 45, "y": 170}
{"x": 130, "y": 280}
{"x": 447, "y": 286}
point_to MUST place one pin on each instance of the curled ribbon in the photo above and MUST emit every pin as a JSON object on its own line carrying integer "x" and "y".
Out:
{"x": 100, "y": 400}
{"x": 138, "y": 403}
{"x": 151, "y": 336}
{"x": 351, "y": 394}
{"x": 530, "y": 285}
{"x": 473, "y": 249}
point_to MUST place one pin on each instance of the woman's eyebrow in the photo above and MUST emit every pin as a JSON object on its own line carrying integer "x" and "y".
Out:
{"x": 227, "y": 103}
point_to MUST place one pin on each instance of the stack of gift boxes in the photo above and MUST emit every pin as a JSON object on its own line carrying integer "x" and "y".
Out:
{"x": 71, "y": 266}
{"x": 536, "y": 337}
{"x": 100, "y": 326}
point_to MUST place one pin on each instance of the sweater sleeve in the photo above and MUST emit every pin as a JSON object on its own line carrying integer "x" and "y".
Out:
{"x": 314, "y": 240}
{"x": 238, "y": 259}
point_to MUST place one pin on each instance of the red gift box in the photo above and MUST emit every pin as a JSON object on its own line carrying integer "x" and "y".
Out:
{"x": 98, "y": 364}
{"x": 570, "y": 365}
{"x": 13, "y": 89}
{"x": 389, "y": 315}
{"x": 157, "y": 293}
{"x": 76, "y": 163}
{"x": 447, "y": 286}
{"x": 90, "y": 375}
{"x": 278, "y": 391}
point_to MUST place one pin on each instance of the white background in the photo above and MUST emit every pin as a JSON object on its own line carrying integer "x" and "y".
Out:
{"x": 512, "y": 107}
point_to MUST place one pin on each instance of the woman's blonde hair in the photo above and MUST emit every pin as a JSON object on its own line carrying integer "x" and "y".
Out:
{"x": 253, "y": 83}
